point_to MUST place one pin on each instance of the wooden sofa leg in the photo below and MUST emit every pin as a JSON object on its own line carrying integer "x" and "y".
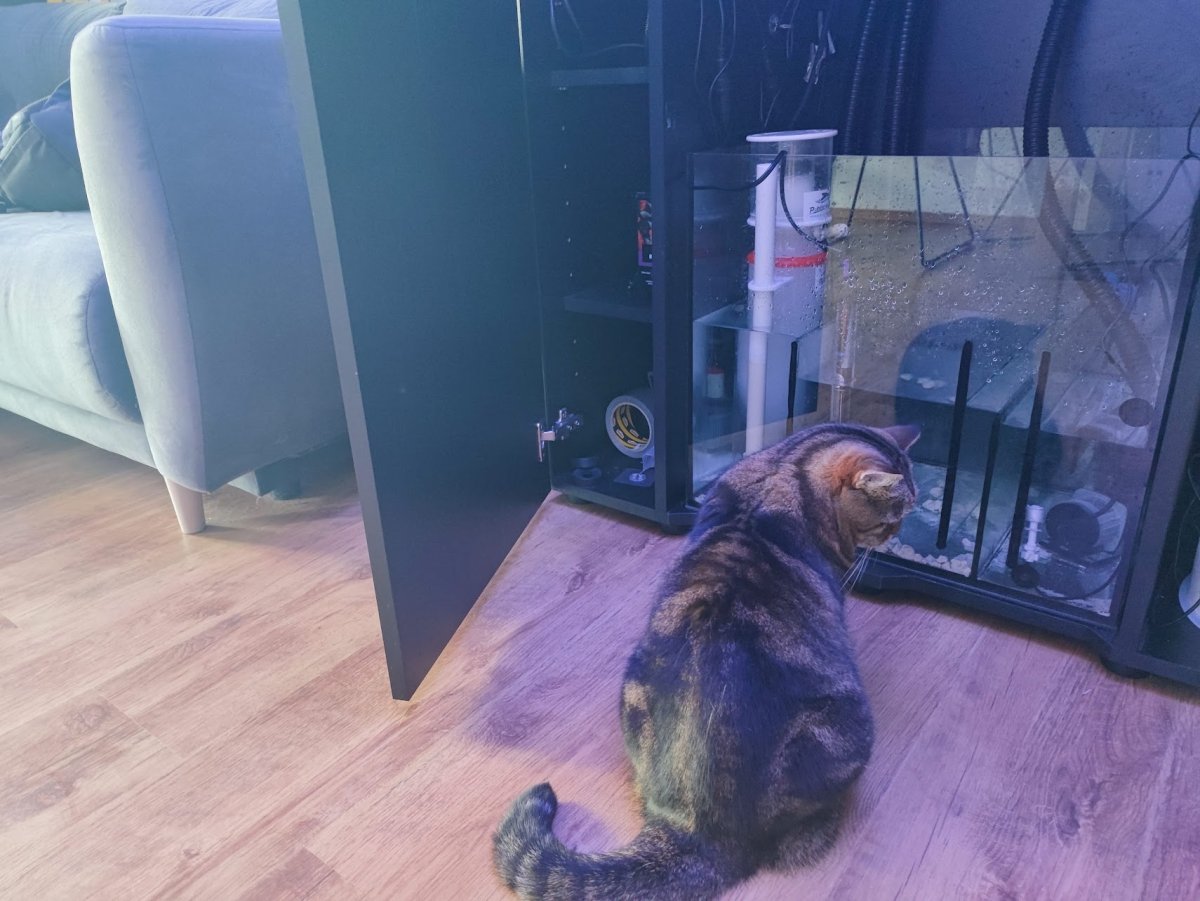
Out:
{"x": 189, "y": 507}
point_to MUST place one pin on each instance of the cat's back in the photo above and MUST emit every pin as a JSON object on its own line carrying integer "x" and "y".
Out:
{"x": 746, "y": 664}
{"x": 743, "y": 589}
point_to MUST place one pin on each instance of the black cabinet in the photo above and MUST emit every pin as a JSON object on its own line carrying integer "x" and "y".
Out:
{"x": 462, "y": 328}
{"x": 412, "y": 124}
{"x": 528, "y": 289}
{"x": 612, "y": 119}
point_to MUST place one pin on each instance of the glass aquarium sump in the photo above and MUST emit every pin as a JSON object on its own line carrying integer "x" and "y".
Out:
{"x": 1018, "y": 310}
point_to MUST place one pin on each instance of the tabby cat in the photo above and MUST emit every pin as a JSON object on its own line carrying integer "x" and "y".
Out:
{"x": 742, "y": 707}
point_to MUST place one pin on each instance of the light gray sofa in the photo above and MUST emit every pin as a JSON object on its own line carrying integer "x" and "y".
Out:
{"x": 181, "y": 323}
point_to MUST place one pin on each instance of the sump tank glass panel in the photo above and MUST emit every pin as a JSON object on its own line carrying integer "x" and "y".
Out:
{"x": 1021, "y": 311}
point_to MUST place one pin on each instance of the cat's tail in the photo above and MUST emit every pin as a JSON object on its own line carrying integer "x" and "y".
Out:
{"x": 660, "y": 863}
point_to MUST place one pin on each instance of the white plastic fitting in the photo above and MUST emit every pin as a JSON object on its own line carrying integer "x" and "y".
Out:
{"x": 1034, "y": 517}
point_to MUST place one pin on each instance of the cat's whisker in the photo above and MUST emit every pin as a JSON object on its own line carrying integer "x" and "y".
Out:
{"x": 849, "y": 573}
{"x": 866, "y": 562}
{"x": 857, "y": 570}
{"x": 849, "y": 577}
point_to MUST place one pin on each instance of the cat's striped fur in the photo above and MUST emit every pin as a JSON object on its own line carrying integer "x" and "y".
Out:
{"x": 742, "y": 707}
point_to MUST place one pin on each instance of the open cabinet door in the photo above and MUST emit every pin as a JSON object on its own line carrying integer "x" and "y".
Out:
{"x": 412, "y": 121}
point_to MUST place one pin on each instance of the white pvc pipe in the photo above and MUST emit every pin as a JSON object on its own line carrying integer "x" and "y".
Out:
{"x": 762, "y": 298}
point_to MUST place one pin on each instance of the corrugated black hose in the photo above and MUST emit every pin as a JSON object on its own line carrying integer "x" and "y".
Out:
{"x": 1132, "y": 355}
{"x": 895, "y": 126}
{"x": 854, "y": 97}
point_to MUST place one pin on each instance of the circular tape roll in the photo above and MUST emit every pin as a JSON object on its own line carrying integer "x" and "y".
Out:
{"x": 629, "y": 422}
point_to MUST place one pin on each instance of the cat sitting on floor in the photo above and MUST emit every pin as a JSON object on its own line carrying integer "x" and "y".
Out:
{"x": 742, "y": 707}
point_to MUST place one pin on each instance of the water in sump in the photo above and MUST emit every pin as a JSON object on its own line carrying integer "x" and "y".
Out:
{"x": 1062, "y": 570}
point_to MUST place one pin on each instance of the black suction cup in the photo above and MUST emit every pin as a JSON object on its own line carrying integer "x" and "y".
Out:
{"x": 1072, "y": 527}
{"x": 1025, "y": 575}
{"x": 1136, "y": 412}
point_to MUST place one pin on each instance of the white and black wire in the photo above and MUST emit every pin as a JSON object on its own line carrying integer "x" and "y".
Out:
{"x": 585, "y": 54}
{"x": 778, "y": 161}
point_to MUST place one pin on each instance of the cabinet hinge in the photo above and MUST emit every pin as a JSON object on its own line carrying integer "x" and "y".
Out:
{"x": 566, "y": 423}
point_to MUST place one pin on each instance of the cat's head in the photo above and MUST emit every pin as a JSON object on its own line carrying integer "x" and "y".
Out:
{"x": 869, "y": 478}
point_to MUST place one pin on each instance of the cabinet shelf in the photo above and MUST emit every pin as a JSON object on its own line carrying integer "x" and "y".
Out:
{"x": 625, "y": 498}
{"x": 586, "y": 78}
{"x": 628, "y": 300}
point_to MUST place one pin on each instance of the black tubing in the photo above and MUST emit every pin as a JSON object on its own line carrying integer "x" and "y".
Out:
{"x": 956, "y": 430}
{"x": 894, "y": 125}
{"x": 854, "y": 98}
{"x": 1062, "y": 15}
{"x": 1080, "y": 148}
{"x": 1133, "y": 356}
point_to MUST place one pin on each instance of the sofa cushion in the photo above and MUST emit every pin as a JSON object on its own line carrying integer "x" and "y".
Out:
{"x": 35, "y": 48}
{"x": 39, "y": 159}
{"x": 237, "y": 9}
{"x": 58, "y": 336}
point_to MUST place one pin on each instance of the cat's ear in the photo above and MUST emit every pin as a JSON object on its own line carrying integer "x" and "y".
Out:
{"x": 878, "y": 485}
{"x": 904, "y": 435}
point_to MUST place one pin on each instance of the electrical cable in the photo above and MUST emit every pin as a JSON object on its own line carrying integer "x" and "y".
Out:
{"x": 721, "y": 117}
{"x": 749, "y": 186}
{"x": 554, "y": 28}
{"x": 766, "y": 119}
{"x": 1168, "y": 249}
{"x": 803, "y": 100}
{"x": 1190, "y": 154}
{"x": 785, "y": 93}
{"x": 721, "y": 28}
{"x": 812, "y": 239}
{"x": 791, "y": 27}
{"x": 581, "y": 54}
{"x": 822, "y": 49}
{"x": 1163, "y": 294}
{"x": 566, "y": 4}
{"x": 1054, "y": 596}
{"x": 768, "y": 81}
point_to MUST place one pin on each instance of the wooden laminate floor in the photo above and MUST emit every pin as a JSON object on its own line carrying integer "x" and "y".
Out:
{"x": 207, "y": 716}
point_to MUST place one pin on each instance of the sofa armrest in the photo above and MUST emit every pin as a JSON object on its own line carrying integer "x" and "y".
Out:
{"x": 192, "y": 163}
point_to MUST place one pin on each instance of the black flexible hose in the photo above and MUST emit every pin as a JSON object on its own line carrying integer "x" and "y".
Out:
{"x": 1133, "y": 355}
{"x": 854, "y": 97}
{"x": 1063, "y": 14}
{"x": 1079, "y": 148}
{"x": 894, "y": 125}
{"x": 1076, "y": 139}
